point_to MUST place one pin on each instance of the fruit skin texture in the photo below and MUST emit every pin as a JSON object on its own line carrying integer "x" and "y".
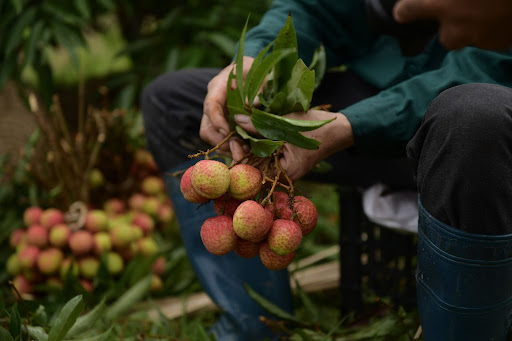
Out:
{"x": 51, "y": 217}
{"x": 50, "y": 260}
{"x": 245, "y": 181}
{"x": 210, "y": 178}
{"x": 188, "y": 190}
{"x": 251, "y": 221}
{"x": 226, "y": 205}
{"x": 218, "y": 235}
{"x": 28, "y": 256}
{"x": 32, "y": 215}
{"x": 280, "y": 202}
{"x": 284, "y": 237}
{"x": 247, "y": 249}
{"x": 272, "y": 260}
{"x": 37, "y": 236}
{"x": 307, "y": 215}
{"x": 81, "y": 242}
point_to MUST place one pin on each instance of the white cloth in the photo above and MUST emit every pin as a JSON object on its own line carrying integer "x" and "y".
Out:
{"x": 395, "y": 209}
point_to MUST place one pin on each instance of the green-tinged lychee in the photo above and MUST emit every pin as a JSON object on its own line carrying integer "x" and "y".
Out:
{"x": 152, "y": 185}
{"x": 188, "y": 191}
{"x": 50, "y": 261}
{"x": 115, "y": 263}
{"x": 22, "y": 285}
{"x": 32, "y": 216}
{"x": 147, "y": 246}
{"x": 251, "y": 221}
{"x": 121, "y": 235}
{"x": 151, "y": 206}
{"x": 13, "y": 265}
{"x": 37, "y": 235}
{"x": 284, "y": 236}
{"x": 156, "y": 283}
{"x": 96, "y": 220}
{"x": 68, "y": 268}
{"x": 17, "y": 237}
{"x": 51, "y": 217}
{"x": 218, "y": 235}
{"x": 245, "y": 181}
{"x": 226, "y": 205}
{"x": 54, "y": 283}
{"x": 247, "y": 249}
{"x": 88, "y": 267}
{"x": 59, "y": 235}
{"x": 272, "y": 260}
{"x": 144, "y": 221}
{"x": 81, "y": 242}
{"x": 165, "y": 213}
{"x": 28, "y": 256}
{"x": 96, "y": 178}
{"x": 210, "y": 178}
{"x": 102, "y": 243}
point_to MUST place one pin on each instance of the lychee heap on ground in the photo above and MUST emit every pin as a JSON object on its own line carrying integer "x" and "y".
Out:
{"x": 48, "y": 250}
{"x": 245, "y": 223}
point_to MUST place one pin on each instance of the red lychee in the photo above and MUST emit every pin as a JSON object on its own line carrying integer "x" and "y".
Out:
{"x": 284, "y": 237}
{"x": 51, "y": 217}
{"x": 226, "y": 205}
{"x": 28, "y": 256}
{"x": 37, "y": 235}
{"x": 210, "y": 178}
{"x": 136, "y": 201}
{"x": 306, "y": 214}
{"x": 49, "y": 261}
{"x": 278, "y": 203}
{"x": 22, "y": 285}
{"x": 251, "y": 221}
{"x": 81, "y": 242}
{"x": 96, "y": 220}
{"x": 144, "y": 221}
{"x": 165, "y": 213}
{"x": 158, "y": 267}
{"x": 272, "y": 260}
{"x": 59, "y": 235}
{"x": 247, "y": 249}
{"x": 188, "y": 190}
{"x": 17, "y": 237}
{"x": 32, "y": 216}
{"x": 87, "y": 285}
{"x": 245, "y": 181}
{"x": 218, "y": 235}
{"x": 114, "y": 206}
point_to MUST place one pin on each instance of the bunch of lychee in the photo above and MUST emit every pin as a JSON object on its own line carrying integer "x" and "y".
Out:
{"x": 48, "y": 248}
{"x": 252, "y": 220}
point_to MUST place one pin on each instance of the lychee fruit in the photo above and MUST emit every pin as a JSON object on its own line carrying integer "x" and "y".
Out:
{"x": 114, "y": 206}
{"x": 101, "y": 243}
{"x": 188, "y": 190}
{"x": 88, "y": 267}
{"x": 247, "y": 249}
{"x": 13, "y": 265}
{"x": 251, "y": 221}
{"x": 17, "y": 237}
{"x": 87, "y": 285}
{"x": 96, "y": 220}
{"x": 37, "y": 235}
{"x": 156, "y": 283}
{"x": 59, "y": 235}
{"x": 165, "y": 213}
{"x": 245, "y": 181}
{"x": 272, "y": 260}
{"x": 81, "y": 242}
{"x": 279, "y": 202}
{"x": 114, "y": 263}
{"x": 51, "y": 217}
{"x": 32, "y": 215}
{"x": 151, "y": 206}
{"x": 158, "y": 267}
{"x": 49, "y": 261}
{"x": 226, "y": 205}
{"x": 210, "y": 178}
{"x": 22, "y": 285}
{"x": 28, "y": 256}
{"x": 218, "y": 235}
{"x": 144, "y": 222}
{"x": 96, "y": 178}
{"x": 147, "y": 246}
{"x": 136, "y": 201}
{"x": 68, "y": 268}
{"x": 121, "y": 235}
{"x": 284, "y": 236}
{"x": 152, "y": 185}
{"x": 306, "y": 214}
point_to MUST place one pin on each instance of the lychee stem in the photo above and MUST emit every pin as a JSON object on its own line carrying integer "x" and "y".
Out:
{"x": 209, "y": 151}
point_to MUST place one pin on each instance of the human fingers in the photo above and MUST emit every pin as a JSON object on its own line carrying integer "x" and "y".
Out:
{"x": 407, "y": 11}
{"x": 244, "y": 121}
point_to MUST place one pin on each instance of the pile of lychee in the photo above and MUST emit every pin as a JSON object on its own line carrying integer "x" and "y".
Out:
{"x": 50, "y": 247}
{"x": 252, "y": 220}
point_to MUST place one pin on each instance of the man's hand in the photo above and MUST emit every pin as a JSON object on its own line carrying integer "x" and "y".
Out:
{"x": 214, "y": 124}
{"x": 484, "y": 24}
{"x": 334, "y": 136}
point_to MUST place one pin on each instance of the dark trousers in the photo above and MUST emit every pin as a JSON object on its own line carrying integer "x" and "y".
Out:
{"x": 461, "y": 154}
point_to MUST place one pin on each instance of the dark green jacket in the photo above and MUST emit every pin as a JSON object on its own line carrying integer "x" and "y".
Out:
{"x": 385, "y": 122}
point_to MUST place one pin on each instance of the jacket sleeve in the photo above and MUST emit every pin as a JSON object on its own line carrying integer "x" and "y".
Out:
{"x": 340, "y": 25}
{"x": 388, "y": 120}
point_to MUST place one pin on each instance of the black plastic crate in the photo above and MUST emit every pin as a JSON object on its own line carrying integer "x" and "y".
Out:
{"x": 373, "y": 257}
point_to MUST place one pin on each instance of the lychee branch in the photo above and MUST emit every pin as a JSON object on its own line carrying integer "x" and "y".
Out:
{"x": 209, "y": 151}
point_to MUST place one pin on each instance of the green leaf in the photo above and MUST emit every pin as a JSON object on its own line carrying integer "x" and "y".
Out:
{"x": 5, "y": 335}
{"x": 285, "y": 123}
{"x": 101, "y": 337}
{"x": 37, "y": 333}
{"x": 87, "y": 321}
{"x": 256, "y": 62}
{"x": 260, "y": 147}
{"x": 286, "y": 38}
{"x": 57, "y": 11}
{"x": 240, "y": 63}
{"x": 18, "y": 5}
{"x": 270, "y": 131}
{"x": 15, "y": 322}
{"x": 70, "y": 39}
{"x": 234, "y": 100}
{"x": 262, "y": 71}
{"x": 66, "y": 318}
{"x": 31, "y": 44}
{"x": 16, "y": 33}
{"x": 83, "y": 7}
{"x": 129, "y": 298}
{"x": 319, "y": 64}
{"x": 272, "y": 308}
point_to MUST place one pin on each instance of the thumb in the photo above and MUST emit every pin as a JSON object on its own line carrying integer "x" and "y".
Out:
{"x": 406, "y": 11}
